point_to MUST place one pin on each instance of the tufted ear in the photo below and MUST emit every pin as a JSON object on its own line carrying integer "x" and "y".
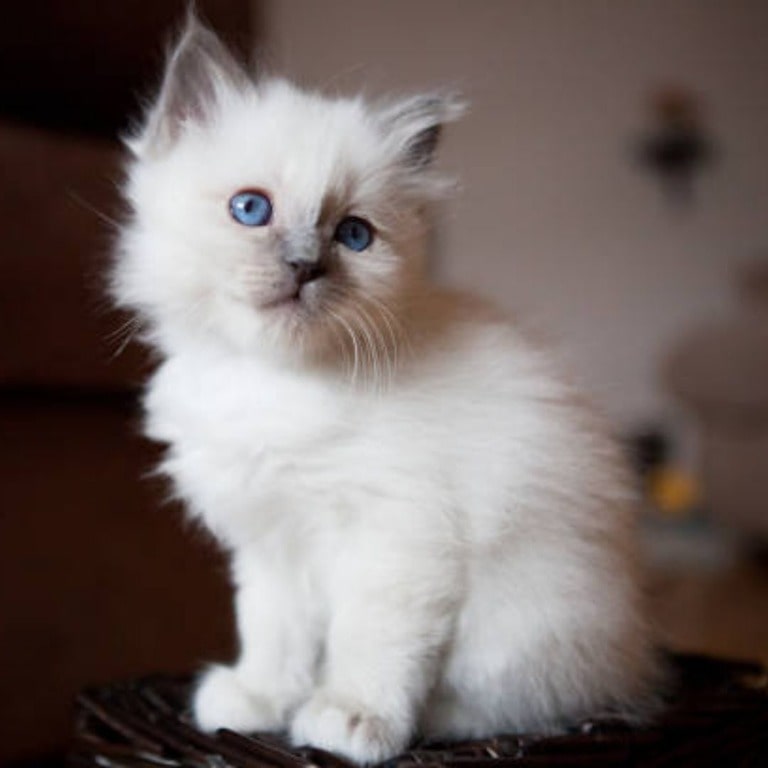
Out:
{"x": 415, "y": 124}
{"x": 198, "y": 73}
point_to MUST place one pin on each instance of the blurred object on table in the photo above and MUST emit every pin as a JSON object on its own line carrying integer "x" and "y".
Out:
{"x": 720, "y": 372}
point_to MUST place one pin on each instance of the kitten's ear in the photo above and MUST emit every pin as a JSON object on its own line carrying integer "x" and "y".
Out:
{"x": 415, "y": 124}
{"x": 198, "y": 73}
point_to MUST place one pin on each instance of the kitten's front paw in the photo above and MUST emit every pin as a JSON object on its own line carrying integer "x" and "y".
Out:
{"x": 222, "y": 701}
{"x": 354, "y": 732}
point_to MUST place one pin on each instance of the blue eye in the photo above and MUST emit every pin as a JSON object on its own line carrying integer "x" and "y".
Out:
{"x": 253, "y": 209}
{"x": 355, "y": 233}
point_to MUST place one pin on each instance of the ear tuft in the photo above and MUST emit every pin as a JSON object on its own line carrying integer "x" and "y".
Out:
{"x": 415, "y": 124}
{"x": 199, "y": 71}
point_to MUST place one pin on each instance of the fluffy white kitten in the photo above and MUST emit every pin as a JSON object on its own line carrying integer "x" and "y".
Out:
{"x": 430, "y": 535}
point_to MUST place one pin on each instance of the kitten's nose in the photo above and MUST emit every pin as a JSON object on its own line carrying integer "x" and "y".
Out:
{"x": 305, "y": 270}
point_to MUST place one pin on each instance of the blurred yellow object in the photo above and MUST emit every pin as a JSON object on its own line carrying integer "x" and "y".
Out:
{"x": 673, "y": 491}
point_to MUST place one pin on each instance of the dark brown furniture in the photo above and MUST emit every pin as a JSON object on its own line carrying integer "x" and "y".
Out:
{"x": 99, "y": 579}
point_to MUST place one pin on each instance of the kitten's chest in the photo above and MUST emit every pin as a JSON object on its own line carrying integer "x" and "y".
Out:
{"x": 242, "y": 437}
{"x": 241, "y": 405}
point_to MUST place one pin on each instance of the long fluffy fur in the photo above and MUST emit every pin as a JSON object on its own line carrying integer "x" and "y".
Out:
{"x": 430, "y": 534}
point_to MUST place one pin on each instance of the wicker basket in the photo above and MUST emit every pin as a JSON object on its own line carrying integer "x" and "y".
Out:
{"x": 718, "y": 716}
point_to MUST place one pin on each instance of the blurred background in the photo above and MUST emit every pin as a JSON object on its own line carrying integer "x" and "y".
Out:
{"x": 614, "y": 192}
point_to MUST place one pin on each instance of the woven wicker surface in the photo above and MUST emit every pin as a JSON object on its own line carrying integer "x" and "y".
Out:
{"x": 718, "y": 716}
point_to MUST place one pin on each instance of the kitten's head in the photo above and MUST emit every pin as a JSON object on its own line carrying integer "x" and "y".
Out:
{"x": 270, "y": 219}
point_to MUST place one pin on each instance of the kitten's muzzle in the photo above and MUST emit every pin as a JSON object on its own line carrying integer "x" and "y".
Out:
{"x": 305, "y": 270}
{"x": 301, "y": 252}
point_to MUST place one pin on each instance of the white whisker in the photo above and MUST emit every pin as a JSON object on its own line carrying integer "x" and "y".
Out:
{"x": 334, "y": 326}
{"x": 89, "y": 207}
{"x": 123, "y": 336}
{"x": 350, "y": 331}
{"x": 394, "y": 328}
{"x": 368, "y": 345}
{"x": 383, "y": 358}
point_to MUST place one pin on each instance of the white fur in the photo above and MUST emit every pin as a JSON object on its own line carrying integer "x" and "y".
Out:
{"x": 430, "y": 534}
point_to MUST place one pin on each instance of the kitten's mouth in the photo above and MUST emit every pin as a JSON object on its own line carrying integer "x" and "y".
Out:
{"x": 300, "y": 288}
{"x": 293, "y": 297}
{"x": 285, "y": 300}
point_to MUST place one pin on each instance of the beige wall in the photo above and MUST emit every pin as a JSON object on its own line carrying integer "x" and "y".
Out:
{"x": 555, "y": 217}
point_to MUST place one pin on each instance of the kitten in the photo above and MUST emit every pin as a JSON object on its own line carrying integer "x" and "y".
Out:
{"x": 430, "y": 535}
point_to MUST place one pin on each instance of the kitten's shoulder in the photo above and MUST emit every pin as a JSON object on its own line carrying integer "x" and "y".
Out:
{"x": 469, "y": 346}
{"x": 448, "y": 307}
{"x": 461, "y": 323}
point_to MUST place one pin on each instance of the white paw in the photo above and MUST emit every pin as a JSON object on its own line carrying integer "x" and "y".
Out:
{"x": 222, "y": 701}
{"x": 353, "y": 732}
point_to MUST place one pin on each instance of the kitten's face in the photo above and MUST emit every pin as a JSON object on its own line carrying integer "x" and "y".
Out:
{"x": 271, "y": 219}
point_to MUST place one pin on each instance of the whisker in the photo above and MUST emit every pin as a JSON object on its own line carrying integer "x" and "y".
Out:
{"x": 126, "y": 341}
{"x": 350, "y": 331}
{"x": 383, "y": 367}
{"x": 123, "y": 336}
{"x": 342, "y": 346}
{"x": 396, "y": 335}
{"x": 89, "y": 207}
{"x": 387, "y": 353}
{"x": 393, "y": 327}
{"x": 118, "y": 332}
{"x": 370, "y": 345}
